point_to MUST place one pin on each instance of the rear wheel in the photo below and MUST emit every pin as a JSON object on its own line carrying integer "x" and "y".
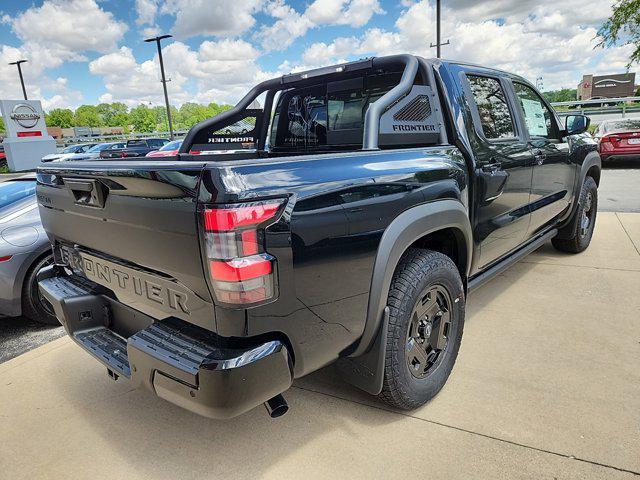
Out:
{"x": 580, "y": 237}
{"x": 34, "y": 305}
{"x": 426, "y": 303}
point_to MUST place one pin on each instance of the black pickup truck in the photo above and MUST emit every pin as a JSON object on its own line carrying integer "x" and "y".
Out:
{"x": 346, "y": 225}
{"x": 135, "y": 148}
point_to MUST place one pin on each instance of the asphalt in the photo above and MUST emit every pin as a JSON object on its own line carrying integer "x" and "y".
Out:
{"x": 19, "y": 335}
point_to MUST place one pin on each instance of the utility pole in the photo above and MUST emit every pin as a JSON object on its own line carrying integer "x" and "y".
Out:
{"x": 24, "y": 90}
{"x": 164, "y": 80}
{"x": 438, "y": 43}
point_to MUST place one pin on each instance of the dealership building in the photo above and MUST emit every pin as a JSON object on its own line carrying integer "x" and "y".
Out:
{"x": 607, "y": 86}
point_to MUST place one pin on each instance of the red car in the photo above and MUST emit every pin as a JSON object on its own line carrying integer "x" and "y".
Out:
{"x": 619, "y": 139}
{"x": 168, "y": 150}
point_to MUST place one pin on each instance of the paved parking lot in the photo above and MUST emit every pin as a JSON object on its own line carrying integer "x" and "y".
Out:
{"x": 547, "y": 385}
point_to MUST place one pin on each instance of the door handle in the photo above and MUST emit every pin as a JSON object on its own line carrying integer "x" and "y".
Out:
{"x": 491, "y": 167}
{"x": 539, "y": 156}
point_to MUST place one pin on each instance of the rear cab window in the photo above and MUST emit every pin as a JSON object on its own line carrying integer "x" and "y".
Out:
{"x": 328, "y": 115}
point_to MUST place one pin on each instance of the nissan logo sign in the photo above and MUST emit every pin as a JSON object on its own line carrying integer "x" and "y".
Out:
{"x": 25, "y": 115}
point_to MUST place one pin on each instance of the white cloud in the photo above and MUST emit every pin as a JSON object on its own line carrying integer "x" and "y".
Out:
{"x": 546, "y": 42}
{"x": 69, "y": 27}
{"x": 355, "y": 13}
{"x": 146, "y": 11}
{"x": 53, "y": 33}
{"x": 290, "y": 24}
{"x": 223, "y": 70}
{"x": 218, "y": 18}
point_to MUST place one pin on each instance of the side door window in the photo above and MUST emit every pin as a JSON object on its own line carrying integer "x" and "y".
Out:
{"x": 539, "y": 120}
{"x": 495, "y": 117}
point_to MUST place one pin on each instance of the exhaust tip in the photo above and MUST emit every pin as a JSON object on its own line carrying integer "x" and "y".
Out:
{"x": 277, "y": 406}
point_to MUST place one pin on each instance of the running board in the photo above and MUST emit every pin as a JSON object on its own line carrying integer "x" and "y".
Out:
{"x": 501, "y": 266}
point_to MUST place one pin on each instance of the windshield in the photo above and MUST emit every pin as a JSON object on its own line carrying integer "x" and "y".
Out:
{"x": 175, "y": 145}
{"x": 70, "y": 149}
{"x": 14, "y": 191}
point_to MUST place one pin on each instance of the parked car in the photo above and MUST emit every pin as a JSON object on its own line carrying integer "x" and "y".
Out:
{"x": 168, "y": 150}
{"x": 68, "y": 152}
{"x": 618, "y": 139}
{"x": 3, "y": 156}
{"x": 95, "y": 151}
{"x": 24, "y": 249}
{"x": 349, "y": 231}
{"x": 135, "y": 148}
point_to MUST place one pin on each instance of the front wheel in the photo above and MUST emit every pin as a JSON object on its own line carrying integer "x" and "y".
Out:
{"x": 426, "y": 303}
{"x": 580, "y": 238}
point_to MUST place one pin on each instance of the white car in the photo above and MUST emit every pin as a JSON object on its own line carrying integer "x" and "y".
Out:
{"x": 67, "y": 152}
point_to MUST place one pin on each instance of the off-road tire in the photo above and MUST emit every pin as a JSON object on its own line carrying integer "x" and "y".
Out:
{"x": 418, "y": 271}
{"x": 33, "y": 305}
{"x": 580, "y": 238}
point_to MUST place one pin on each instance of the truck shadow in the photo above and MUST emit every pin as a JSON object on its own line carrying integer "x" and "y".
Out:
{"x": 159, "y": 440}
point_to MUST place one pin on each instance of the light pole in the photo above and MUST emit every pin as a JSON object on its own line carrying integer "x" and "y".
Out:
{"x": 438, "y": 44}
{"x": 24, "y": 91}
{"x": 164, "y": 80}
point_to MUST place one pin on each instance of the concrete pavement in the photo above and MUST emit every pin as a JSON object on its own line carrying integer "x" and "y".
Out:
{"x": 547, "y": 385}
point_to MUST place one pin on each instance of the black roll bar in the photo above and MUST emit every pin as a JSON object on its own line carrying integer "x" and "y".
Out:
{"x": 377, "y": 108}
{"x": 372, "y": 117}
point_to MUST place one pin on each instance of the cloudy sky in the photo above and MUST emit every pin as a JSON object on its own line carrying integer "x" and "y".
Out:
{"x": 90, "y": 51}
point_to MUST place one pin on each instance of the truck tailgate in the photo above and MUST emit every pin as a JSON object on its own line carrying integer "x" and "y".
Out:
{"x": 139, "y": 221}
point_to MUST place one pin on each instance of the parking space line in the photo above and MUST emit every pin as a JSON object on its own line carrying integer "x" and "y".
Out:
{"x": 627, "y": 233}
{"x": 471, "y": 432}
{"x": 551, "y": 264}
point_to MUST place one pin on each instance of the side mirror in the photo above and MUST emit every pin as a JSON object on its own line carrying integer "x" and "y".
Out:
{"x": 575, "y": 124}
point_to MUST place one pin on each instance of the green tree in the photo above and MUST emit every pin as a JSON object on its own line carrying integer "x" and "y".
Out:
{"x": 563, "y": 95}
{"x": 215, "y": 109}
{"x": 60, "y": 117}
{"x": 143, "y": 119}
{"x": 2, "y": 129}
{"x": 112, "y": 113}
{"x": 192, "y": 113}
{"x": 623, "y": 28}
{"x": 88, "y": 116}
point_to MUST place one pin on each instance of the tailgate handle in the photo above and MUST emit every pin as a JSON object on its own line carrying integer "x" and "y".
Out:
{"x": 79, "y": 185}
{"x": 90, "y": 193}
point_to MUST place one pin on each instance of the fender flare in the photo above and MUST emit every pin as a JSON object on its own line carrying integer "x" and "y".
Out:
{"x": 403, "y": 231}
{"x": 591, "y": 160}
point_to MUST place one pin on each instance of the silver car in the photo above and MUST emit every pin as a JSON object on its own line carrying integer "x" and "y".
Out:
{"x": 24, "y": 250}
{"x": 94, "y": 152}
{"x": 67, "y": 152}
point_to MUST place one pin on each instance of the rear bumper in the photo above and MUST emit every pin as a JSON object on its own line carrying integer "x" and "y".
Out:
{"x": 180, "y": 362}
{"x": 609, "y": 156}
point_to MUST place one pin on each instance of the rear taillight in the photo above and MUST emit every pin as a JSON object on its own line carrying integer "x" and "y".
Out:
{"x": 608, "y": 143}
{"x": 6, "y": 258}
{"x": 241, "y": 271}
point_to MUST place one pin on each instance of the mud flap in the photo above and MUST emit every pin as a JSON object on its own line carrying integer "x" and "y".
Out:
{"x": 367, "y": 371}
